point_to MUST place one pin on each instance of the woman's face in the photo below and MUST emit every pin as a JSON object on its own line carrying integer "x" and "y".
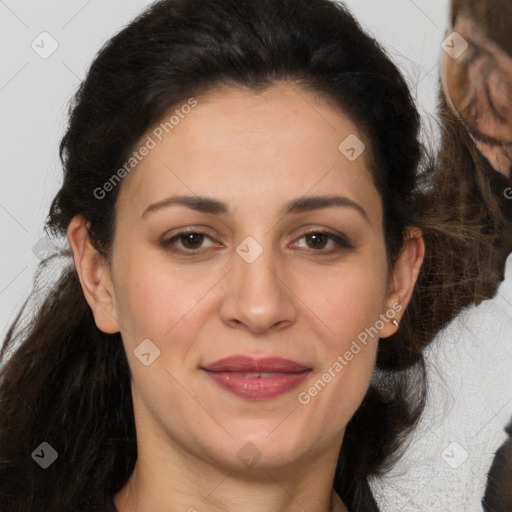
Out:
{"x": 251, "y": 281}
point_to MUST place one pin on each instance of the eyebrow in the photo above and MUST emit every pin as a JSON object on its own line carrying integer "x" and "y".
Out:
{"x": 209, "y": 205}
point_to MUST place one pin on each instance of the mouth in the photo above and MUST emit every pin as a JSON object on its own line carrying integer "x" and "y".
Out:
{"x": 257, "y": 379}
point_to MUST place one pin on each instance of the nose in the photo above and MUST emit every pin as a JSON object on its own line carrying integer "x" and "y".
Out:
{"x": 259, "y": 294}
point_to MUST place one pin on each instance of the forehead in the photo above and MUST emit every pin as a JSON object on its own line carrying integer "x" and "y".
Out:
{"x": 254, "y": 149}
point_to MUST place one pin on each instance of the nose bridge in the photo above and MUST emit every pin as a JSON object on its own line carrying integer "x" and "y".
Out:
{"x": 258, "y": 298}
{"x": 256, "y": 264}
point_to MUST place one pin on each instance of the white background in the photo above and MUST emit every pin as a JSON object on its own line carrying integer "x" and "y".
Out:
{"x": 469, "y": 366}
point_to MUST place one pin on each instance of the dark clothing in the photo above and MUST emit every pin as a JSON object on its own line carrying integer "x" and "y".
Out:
{"x": 498, "y": 495}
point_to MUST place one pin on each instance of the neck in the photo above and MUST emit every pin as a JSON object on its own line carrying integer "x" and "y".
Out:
{"x": 229, "y": 492}
{"x": 191, "y": 485}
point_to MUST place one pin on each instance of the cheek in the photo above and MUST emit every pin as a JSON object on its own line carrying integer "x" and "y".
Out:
{"x": 347, "y": 305}
{"x": 154, "y": 296}
{"x": 346, "y": 298}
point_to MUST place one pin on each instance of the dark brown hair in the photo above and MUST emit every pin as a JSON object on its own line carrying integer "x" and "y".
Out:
{"x": 68, "y": 383}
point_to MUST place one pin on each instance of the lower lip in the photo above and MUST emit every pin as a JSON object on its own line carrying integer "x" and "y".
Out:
{"x": 258, "y": 388}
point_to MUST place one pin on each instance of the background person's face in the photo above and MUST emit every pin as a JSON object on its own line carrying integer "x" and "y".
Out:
{"x": 302, "y": 298}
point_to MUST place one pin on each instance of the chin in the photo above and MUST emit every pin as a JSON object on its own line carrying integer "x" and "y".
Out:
{"x": 250, "y": 450}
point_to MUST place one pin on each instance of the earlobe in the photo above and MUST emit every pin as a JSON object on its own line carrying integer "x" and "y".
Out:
{"x": 94, "y": 275}
{"x": 403, "y": 279}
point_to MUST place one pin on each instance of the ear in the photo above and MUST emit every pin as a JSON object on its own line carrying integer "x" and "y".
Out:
{"x": 476, "y": 77}
{"x": 403, "y": 278}
{"x": 94, "y": 274}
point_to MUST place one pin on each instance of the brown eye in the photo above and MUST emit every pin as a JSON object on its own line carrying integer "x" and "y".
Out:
{"x": 190, "y": 242}
{"x": 318, "y": 240}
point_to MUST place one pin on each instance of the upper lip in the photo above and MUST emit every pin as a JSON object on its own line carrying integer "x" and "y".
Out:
{"x": 241, "y": 363}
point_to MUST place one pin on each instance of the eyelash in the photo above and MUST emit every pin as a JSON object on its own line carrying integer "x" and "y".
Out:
{"x": 342, "y": 243}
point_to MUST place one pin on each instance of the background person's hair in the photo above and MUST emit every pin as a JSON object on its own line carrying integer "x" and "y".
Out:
{"x": 467, "y": 214}
{"x": 68, "y": 383}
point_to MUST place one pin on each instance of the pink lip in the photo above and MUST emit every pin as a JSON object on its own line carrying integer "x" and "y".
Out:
{"x": 252, "y": 364}
{"x": 230, "y": 372}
